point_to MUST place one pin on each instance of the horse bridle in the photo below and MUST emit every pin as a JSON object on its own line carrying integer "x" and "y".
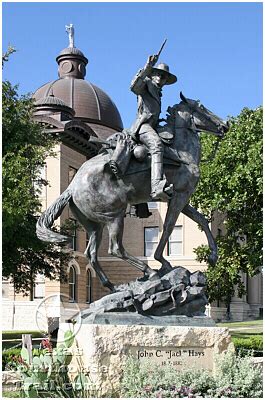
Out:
{"x": 193, "y": 128}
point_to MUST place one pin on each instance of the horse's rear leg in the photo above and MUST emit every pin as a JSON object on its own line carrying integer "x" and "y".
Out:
{"x": 116, "y": 248}
{"x": 95, "y": 235}
{"x": 94, "y": 231}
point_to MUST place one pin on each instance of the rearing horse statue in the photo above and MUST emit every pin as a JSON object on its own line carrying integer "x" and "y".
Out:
{"x": 97, "y": 198}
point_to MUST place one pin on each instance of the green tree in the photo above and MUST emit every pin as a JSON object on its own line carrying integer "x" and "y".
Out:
{"x": 25, "y": 148}
{"x": 231, "y": 186}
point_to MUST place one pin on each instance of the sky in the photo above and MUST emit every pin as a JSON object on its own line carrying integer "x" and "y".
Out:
{"x": 214, "y": 48}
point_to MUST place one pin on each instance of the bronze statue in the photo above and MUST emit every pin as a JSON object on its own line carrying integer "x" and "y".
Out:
{"x": 70, "y": 30}
{"x": 147, "y": 85}
{"x": 104, "y": 198}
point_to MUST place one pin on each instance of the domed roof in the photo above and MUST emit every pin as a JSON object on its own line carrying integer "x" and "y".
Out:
{"x": 90, "y": 103}
{"x": 52, "y": 104}
{"x": 50, "y": 100}
{"x": 71, "y": 50}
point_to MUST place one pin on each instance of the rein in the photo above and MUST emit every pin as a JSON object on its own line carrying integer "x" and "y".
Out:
{"x": 192, "y": 126}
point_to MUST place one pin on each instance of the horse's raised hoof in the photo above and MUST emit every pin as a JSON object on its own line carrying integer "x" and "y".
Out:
{"x": 165, "y": 269}
{"x": 153, "y": 276}
{"x": 143, "y": 278}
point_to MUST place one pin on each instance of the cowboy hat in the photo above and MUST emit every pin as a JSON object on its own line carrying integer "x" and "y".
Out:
{"x": 165, "y": 69}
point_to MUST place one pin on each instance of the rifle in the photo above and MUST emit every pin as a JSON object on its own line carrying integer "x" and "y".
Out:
{"x": 161, "y": 48}
{"x": 153, "y": 59}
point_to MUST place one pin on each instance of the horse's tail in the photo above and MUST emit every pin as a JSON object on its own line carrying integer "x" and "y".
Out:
{"x": 47, "y": 219}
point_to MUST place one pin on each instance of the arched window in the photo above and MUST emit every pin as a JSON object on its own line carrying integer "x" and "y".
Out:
{"x": 74, "y": 243}
{"x": 88, "y": 286}
{"x": 72, "y": 283}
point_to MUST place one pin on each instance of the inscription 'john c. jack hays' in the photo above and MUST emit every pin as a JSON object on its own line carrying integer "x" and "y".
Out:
{"x": 169, "y": 354}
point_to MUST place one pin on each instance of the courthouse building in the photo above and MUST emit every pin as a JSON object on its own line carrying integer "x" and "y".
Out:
{"x": 78, "y": 110}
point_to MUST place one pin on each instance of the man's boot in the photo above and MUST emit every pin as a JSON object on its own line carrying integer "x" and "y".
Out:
{"x": 160, "y": 190}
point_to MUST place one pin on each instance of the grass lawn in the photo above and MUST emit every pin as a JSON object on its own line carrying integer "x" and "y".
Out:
{"x": 247, "y": 330}
{"x": 11, "y": 394}
{"x": 244, "y": 329}
{"x": 244, "y": 324}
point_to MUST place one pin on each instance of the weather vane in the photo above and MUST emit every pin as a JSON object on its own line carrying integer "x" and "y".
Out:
{"x": 70, "y": 30}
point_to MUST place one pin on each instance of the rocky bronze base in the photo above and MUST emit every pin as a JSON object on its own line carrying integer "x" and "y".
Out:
{"x": 177, "y": 292}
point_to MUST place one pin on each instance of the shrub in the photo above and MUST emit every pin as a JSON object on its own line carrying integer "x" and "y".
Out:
{"x": 10, "y": 358}
{"x": 235, "y": 377}
{"x": 12, "y": 394}
{"x": 253, "y": 343}
{"x": 145, "y": 380}
{"x": 47, "y": 375}
{"x": 7, "y": 357}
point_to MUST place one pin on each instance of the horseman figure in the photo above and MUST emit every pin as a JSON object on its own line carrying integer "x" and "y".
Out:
{"x": 147, "y": 85}
{"x": 98, "y": 200}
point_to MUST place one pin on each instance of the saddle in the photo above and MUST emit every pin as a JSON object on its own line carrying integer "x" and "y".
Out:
{"x": 164, "y": 132}
{"x": 132, "y": 157}
{"x": 139, "y": 158}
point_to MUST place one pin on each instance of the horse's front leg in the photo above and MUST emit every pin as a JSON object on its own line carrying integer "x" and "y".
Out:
{"x": 199, "y": 218}
{"x": 176, "y": 205}
{"x": 116, "y": 248}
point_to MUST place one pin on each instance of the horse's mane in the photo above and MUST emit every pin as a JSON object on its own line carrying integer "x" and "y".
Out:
{"x": 171, "y": 113}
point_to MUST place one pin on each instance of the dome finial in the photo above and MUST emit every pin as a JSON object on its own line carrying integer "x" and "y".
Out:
{"x": 70, "y": 30}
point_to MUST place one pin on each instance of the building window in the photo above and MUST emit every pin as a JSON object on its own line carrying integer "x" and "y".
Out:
{"x": 152, "y": 205}
{"x": 150, "y": 241}
{"x": 72, "y": 283}
{"x": 39, "y": 287}
{"x": 71, "y": 173}
{"x": 88, "y": 286}
{"x": 175, "y": 243}
{"x": 73, "y": 245}
{"x": 5, "y": 288}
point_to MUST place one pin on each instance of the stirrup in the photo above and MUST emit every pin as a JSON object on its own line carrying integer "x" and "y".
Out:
{"x": 161, "y": 191}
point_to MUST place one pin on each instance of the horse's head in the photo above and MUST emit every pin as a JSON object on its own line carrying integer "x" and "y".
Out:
{"x": 200, "y": 118}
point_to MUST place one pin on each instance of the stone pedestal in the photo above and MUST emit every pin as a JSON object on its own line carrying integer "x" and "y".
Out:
{"x": 104, "y": 348}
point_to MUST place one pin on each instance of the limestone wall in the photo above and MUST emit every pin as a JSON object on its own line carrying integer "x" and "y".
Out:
{"x": 19, "y": 315}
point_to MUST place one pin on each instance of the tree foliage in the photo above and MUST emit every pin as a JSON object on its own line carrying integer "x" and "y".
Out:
{"x": 25, "y": 148}
{"x": 231, "y": 186}
{"x": 5, "y": 56}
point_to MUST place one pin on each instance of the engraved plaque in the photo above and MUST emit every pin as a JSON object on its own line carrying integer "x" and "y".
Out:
{"x": 177, "y": 357}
